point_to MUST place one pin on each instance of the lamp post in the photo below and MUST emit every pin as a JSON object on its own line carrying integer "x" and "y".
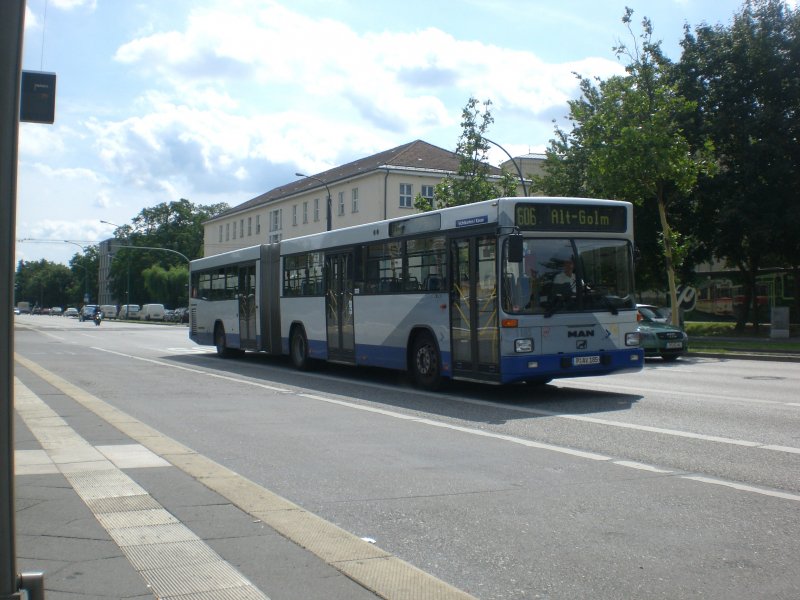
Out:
{"x": 85, "y": 271}
{"x": 329, "y": 215}
{"x": 128, "y": 282}
{"x": 519, "y": 171}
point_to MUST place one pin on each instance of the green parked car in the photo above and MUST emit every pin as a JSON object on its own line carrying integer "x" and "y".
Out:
{"x": 658, "y": 337}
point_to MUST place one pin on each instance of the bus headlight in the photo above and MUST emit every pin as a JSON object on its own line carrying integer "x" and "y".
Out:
{"x": 632, "y": 339}
{"x": 523, "y": 345}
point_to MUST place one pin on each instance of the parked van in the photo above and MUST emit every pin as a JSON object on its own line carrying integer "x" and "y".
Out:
{"x": 109, "y": 311}
{"x": 128, "y": 311}
{"x": 152, "y": 312}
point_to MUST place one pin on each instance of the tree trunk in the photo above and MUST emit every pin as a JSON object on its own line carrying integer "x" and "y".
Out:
{"x": 753, "y": 291}
{"x": 795, "y": 318}
{"x": 673, "y": 291}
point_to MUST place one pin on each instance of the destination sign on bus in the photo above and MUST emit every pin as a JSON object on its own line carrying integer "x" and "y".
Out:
{"x": 570, "y": 217}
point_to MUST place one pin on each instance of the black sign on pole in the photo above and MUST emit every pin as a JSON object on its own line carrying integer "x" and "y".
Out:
{"x": 37, "y": 97}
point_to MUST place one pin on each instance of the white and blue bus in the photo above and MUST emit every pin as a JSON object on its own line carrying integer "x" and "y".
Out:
{"x": 500, "y": 291}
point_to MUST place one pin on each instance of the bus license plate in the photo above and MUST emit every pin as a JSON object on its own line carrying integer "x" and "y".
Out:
{"x": 586, "y": 360}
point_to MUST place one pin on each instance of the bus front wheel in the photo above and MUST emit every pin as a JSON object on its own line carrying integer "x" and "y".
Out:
{"x": 298, "y": 349}
{"x": 426, "y": 363}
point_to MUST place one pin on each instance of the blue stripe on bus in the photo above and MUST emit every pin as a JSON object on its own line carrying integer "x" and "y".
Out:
{"x": 515, "y": 368}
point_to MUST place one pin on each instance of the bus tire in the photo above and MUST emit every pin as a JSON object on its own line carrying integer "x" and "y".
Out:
{"x": 220, "y": 342}
{"x": 426, "y": 362}
{"x": 298, "y": 349}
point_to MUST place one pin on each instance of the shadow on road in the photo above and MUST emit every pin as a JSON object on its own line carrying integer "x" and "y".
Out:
{"x": 460, "y": 400}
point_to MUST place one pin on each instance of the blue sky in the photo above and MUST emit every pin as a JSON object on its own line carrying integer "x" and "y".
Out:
{"x": 222, "y": 100}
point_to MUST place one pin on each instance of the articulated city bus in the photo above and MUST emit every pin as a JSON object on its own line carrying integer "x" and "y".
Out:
{"x": 500, "y": 291}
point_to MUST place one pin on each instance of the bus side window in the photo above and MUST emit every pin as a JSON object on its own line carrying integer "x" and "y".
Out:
{"x": 412, "y": 284}
{"x": 433, "y": 283}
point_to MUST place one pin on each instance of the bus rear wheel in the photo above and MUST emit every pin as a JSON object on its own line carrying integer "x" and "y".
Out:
{"x": 298, "y": 349}
{"x": 220, "y": 341}
{"x": 426, "y": 363}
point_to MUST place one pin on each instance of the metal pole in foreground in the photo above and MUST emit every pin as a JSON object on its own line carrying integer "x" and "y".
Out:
{"x": 12, "y": 19}
{"x": 12, "y": 15}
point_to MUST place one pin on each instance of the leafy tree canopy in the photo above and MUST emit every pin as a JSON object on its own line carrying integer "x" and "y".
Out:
{"x": 744, "y": 79}
{"x": 472, "y": 182}
{"x": 627, "y": 142}
{"x": 176, "y": 227}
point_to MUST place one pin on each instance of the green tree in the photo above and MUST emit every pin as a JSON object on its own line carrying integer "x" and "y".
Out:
{"x": 472, "y": 181}
{"x": 84, "y": 267}
{"x": 175, "y": 226}
{"x": 628, "y": 143}
{"x": 43, "y": 283}
{"x": 744, "y": 78}
{"x": 170, "y": 285}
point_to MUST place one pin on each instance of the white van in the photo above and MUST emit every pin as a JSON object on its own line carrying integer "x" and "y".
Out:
{"x": 128, "y": 311}
{"x": 152, "y": 312}
{"x": 109, "y": 311}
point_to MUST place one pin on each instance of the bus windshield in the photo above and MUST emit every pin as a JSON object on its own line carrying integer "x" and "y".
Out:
{"x": 568, "y": 274}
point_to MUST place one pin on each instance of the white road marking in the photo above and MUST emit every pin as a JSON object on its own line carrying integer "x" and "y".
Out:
{"x": 639, "y": 389}
{"x": 742, "y": 487}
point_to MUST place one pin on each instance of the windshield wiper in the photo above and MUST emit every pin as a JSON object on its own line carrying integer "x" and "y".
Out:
{"x": 555, "y": 305}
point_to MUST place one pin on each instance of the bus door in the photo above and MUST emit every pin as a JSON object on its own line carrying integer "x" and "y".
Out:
{"x": 339, "y": 306}
{"x": 474, "y": 330}
{"x": 247, "y": 307}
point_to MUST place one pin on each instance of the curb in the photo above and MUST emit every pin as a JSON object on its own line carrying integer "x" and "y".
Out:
{"x": 745, "y": 355}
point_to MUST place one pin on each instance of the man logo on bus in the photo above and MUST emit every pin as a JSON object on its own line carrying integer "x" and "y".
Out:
{"x": 580, "y": 333}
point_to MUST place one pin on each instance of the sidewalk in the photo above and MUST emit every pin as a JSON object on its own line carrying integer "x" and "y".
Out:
{"x": 104, "y": 516}
{"x": 744, "y": 348}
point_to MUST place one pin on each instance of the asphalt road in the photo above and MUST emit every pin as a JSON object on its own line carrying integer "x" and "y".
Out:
{"x": 682, "y": 481}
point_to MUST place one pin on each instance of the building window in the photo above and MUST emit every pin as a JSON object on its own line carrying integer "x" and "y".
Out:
{"x": 249, "y": 226}
{"x": 305, "y": 212}
{"x": 316, "y": 210}
{"x": 241, "y": 228}
{"x": 427, "y": 193}
{"x": 275, "y": 223}
{"x": 258, "y": 224}
{"x": 294, "y": 215}
{"x": 406, "y": 197}
{"x": 341, "y": 204}
{"x": 227, "y": 231}
{"x": 220, "y": 234}
{"x": 234, "y": 231}
{"x": 354, "y": 201}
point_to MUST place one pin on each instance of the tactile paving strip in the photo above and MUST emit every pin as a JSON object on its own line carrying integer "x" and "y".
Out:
{"x": 142, "y": 528}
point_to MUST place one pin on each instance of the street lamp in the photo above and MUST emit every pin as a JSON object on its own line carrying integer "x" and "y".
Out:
{"x": 128, "y": 282}
{"x": 85, "y": 271}
{"x": 329, "y": 215}
{"x": 519, "y": 171}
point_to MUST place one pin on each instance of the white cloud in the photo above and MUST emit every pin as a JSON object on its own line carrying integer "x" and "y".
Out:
{"x": 239, "y": 91}
{"x": 73, "y": 4}
{"x": 36, "y": 141}
{"x": 31, "y": 19}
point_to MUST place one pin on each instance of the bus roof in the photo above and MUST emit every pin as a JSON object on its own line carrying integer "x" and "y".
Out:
{"x": 499, "y": 211}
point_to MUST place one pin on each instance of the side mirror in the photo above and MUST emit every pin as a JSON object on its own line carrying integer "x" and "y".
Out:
{"x": 515, "y": 248}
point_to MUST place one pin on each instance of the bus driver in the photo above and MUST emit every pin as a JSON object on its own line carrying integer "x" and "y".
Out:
{"x": 565, "y": 281}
